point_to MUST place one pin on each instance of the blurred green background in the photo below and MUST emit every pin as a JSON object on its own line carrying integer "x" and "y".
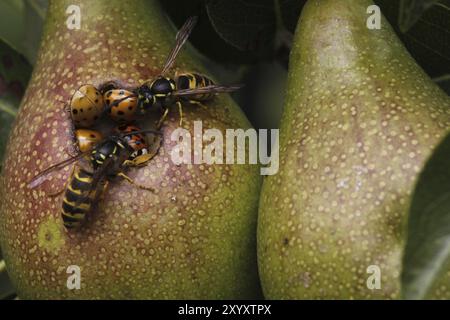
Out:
{"x": 240, "y": 42}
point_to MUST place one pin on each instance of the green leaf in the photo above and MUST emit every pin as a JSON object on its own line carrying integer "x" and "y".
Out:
{"x": 411, "y": 11}
{"x": 12, "y": 22}
{"x": 15, "y": 72}
{"x": 428, "y": 241}
{"x": 21, "y": 24}
{"x": 253, "y": 24}
{"x": 247, "y": 25}
{"x": 6, "y": 288}
{"x": 215, "y": 48}
{"x": 262, "y": 99}
{"x": 8, "y": 109}
{"x": 8, "y": 105}
{"x": 428, "y": 40}
{"x": 35, "y": 11}
{"x": 229, "y": 35}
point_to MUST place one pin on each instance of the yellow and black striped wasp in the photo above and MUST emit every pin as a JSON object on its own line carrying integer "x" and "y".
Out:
{"x": 108, "y": 159}
{"x": 164, "y": 92}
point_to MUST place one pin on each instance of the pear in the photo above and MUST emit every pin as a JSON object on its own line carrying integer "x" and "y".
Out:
{"x": 360, "y": 120}
{"x": 194, "y": 238}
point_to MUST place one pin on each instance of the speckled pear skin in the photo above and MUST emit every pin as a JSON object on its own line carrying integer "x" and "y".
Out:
{"x": 360, "y": 120}
{"x": 194, "y": 238}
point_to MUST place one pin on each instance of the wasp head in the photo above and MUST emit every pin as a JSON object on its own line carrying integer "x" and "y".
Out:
{"x": 146, "y": 98}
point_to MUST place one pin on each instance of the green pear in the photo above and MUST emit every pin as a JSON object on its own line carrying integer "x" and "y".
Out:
{"x": 361, "y": 118}
{"x": 194, "y": 238}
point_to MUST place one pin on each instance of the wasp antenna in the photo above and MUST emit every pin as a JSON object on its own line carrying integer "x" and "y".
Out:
{"x": 115, "y": 103}
{"x": 141, "y": 131}
{"x": 237, "y": 86}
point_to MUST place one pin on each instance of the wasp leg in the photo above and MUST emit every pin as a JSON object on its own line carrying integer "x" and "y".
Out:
{"x": 102, "y": 192}
{"x": 109, "y": 85}
{"x": 57, "y": 193}
{"x": 161, "y": 120}
{"x": 66, "y": 106}
{"x": 72, "y": 129}
{"x": 138, "y": 161}
{"x": 129, "y": 163}
{"x": 75, "y": 150}
{"x": 180, "y": 111}
{"x": 131, "y": 181}
{"x": 75, "y": 146}
{"x": 199, "y": 104}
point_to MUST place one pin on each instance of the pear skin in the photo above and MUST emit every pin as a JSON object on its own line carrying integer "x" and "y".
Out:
{"x": 194, "y": 238}
{"x": 360, "y": 120}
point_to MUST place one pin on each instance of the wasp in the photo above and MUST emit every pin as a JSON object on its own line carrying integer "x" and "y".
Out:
{"x": 107, "y": 160}
{"x": 163, "y": 91}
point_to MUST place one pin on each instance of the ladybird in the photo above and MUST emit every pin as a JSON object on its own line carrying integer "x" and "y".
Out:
{"x": 86, "y": 106}
{"x": 87, "y": 139}
{"x": 121, "y": 104}
{"x": 137, "y": 142}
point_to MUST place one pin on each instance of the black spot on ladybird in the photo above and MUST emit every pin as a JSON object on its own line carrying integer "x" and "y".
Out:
{"x": 74, "y": 111}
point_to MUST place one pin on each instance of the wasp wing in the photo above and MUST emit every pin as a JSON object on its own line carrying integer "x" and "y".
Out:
{"x": 43, "y": 176}
{"x": 207, "y": 89}
{"x": 180, "y": 40}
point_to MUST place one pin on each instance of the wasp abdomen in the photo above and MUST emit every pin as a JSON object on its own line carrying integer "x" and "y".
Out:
{"x": 78, "y": 198}
{"x": 194, "y": 81}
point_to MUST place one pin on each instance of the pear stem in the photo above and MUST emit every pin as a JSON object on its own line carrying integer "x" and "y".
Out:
{"x": 2, "y": 266}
